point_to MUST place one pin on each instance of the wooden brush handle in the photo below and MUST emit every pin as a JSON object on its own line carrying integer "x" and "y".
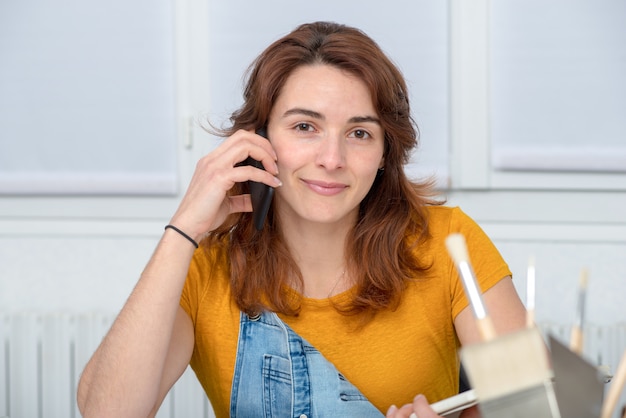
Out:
{"x": 614, "y": 391}
{"x": 530, "y": 318}
{"x": 486, "y": 329}
{"x": 576, "y": 341}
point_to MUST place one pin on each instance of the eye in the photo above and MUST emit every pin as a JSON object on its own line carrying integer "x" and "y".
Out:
{"x": 360, "y": 134}
{"x": 303, "y": 127}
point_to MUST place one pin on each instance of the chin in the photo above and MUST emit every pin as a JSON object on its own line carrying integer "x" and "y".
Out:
{"x": 328, "y": 218}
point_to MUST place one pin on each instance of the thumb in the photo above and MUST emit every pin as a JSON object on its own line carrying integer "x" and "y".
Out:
{"x": 422, "y": 408}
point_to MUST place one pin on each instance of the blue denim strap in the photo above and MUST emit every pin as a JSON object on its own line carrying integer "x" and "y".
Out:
{"x": 300, "y": 374}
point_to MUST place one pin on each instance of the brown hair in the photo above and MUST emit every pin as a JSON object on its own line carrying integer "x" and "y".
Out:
{"x": 392, "y": 219}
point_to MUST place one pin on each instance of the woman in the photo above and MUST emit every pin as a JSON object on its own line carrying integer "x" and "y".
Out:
{"x": 345, "y": 303}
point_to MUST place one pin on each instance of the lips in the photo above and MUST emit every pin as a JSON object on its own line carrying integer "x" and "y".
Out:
{"x": 324, "y": 188}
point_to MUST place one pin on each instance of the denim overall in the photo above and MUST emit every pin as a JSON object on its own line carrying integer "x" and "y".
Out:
{"x": 279, "y": 375}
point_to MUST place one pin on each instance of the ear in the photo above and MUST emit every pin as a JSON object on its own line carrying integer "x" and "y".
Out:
{"x": 381, "y": 166}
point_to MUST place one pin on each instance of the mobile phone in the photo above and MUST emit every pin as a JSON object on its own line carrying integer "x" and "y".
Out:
{"x": 260, "y": 193}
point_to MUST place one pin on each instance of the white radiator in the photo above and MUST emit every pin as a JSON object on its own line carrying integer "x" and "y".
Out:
{"x": 41, "y": 357}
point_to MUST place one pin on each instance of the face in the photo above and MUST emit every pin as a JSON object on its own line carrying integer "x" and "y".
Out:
{"x": 329, "y": 141}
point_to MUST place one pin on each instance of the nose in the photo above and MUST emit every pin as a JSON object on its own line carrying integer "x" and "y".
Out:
{"x": 331, "y": 153}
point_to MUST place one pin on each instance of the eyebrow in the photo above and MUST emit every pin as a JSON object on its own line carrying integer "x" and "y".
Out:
{"x": 305, "y": 112}
{"x": 361, "y": 119}
{"x": 317, "y": 115}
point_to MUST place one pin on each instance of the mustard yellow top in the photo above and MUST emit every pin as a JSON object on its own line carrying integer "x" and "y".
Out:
{"x": 394, "y": 357}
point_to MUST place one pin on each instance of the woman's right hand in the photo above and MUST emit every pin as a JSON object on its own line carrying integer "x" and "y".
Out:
{"x": 206, "y": 203}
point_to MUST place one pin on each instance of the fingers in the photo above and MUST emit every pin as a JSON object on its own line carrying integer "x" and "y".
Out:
{"x": 420, "y": 408}
{"x": 391, "y": 411}
{"x": 206, "y": 203}
{"x": 241, "y": 203}
{"x": 243, "y": 144}
{"x": 402, "y": 412}
{"x": 234, "y": 152}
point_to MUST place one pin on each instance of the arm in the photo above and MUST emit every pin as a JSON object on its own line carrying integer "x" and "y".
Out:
{"x": 150, "y": 343}
{"x": 503, "y": 306}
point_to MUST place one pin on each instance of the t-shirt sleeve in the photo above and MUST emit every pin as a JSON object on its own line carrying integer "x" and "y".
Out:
{"x": 487, "y": 262}
{"x": 189, "y": 298}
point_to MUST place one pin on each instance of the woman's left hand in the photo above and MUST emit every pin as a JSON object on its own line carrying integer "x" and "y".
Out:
{"x": 420, "y": 408}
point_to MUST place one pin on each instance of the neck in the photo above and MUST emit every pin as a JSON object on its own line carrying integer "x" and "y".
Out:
{"x": 324, "y": 288}
{"x": 319, "y": 251}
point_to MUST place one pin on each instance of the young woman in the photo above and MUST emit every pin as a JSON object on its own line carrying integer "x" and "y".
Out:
{"x": 346, "y": 302}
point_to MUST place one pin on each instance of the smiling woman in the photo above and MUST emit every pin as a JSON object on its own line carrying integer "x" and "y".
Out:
{"x": 345, "y": 302}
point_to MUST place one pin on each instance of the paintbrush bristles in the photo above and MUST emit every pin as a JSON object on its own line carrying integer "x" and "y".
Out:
{"x": 455, "y": 243}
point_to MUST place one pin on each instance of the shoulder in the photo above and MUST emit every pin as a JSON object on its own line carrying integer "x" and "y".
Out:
{"x": 447, "y": 218}
{"x": 210, "y": 258}
{"x": 442, "y": 221}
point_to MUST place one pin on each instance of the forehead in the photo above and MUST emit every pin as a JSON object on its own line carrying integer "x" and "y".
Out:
{"x": 319, "y": 71}
{"x": 325, "y": 85}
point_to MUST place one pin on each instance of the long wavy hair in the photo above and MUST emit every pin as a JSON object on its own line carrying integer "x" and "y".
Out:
{"x": 380, "y": 254}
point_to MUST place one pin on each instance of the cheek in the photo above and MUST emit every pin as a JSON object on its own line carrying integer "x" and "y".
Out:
{"x": 369, "y": 178}
{"x": 290, "y": 157}
{"x": 288, "y": 162}
{"x": 369, "y": 165}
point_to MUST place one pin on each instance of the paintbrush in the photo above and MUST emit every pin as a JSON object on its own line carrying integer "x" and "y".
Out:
{"x": 457, "y": 248}
{"x": 577, "y": 340}
{"x": 615, "y": 389}
{"x": 509, "y": 373}
{"x": 530, "y": 293}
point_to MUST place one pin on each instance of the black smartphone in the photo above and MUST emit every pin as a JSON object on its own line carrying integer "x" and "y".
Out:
{"x": 260, "y": 193}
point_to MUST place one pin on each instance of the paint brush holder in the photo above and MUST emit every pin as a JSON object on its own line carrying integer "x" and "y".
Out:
{"x": 511, "y": 376}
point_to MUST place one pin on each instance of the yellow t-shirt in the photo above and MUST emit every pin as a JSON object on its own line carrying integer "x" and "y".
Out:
{"x": 397, "y": 355}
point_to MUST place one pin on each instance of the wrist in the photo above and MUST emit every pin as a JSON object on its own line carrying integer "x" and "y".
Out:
{"x": 182, "y": 234}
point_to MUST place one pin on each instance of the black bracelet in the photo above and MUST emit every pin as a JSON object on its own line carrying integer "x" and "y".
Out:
{"x": 191, "y": 240}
